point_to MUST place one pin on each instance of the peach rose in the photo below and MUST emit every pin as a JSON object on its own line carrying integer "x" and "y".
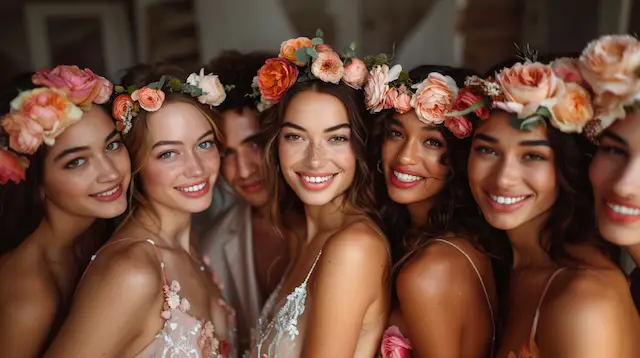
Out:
{"x": 459, "y": 126}
{"x": 434, "y": 98}
{"x": 355, "y": 74}
{"x": 402, "y": 103}
{"x": 149, "y": 99}
{"x": 609, "y": 64}
{"x": 568, "y": 70}
{"x": 106, "y": 89}
{"x": 123, "y": 110}
{"x": 390, "y": 98}
{"x": 12, "y": 167}
{"x": 328, "y": 67}
{"x": 526, "y": 87}
{"x": 50, "y": 109}
{"x": 376, "y": 88}
{"x": 25, "y": 134}
{"x": 466, "y": 98}
{"x": 394, "y": 344}
{"x": 275, "y": 77}
{"x": 288, "y": 49}
{"x": 82, "y": 86}
{"x": 572, "y": 110}
{"x": 608, "y": 108}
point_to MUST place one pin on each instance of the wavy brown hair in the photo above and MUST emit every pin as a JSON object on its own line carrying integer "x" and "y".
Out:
{"x": 136, "y": 140}
{"x": 359, "y": 196}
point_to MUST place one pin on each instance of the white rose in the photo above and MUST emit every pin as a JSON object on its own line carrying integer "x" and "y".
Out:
{"x": 212, "y": 88}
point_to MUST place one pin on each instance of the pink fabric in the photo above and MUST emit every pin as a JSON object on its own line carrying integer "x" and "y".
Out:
{"x": 394, "y": 344}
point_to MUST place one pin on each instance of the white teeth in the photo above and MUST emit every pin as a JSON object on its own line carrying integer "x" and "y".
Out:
{"x": 624, "y": 210}
{"x": 193, "y": 188}
{"x": 110, "y": 192}
{"x": 316, "y": 179}
{"x": 507, "y": 200}
{"x": 406, "y": 177}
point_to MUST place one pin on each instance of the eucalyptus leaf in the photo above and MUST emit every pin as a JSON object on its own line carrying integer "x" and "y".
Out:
{"x": 319, "y": 33}
{"x": 302, "y": 55}
{"x": 543, "y": 112}
{"x": 312, "y": 52}
{"x": 529, "y": 123}
{"x": 347, "y": 61}
{"x": 317, "y": 41}
{"x": 353, "y": 46}
{"x": 514, "y": 121}
{"x": 163, "y": 79}
{"x": 154, "y": 85}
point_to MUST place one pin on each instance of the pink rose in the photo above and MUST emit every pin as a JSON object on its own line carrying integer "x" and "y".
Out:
{"x": 25, "y": 134}
{"x": 459, "y": 126}
{"x": 390, "y": 98}
{"x": 82, "y": 86}
{"x": 149, "y": 99}
{"x": 328, "y": 67}
{"x": 355, "y": 74}
{"x": 12, "y": 167}
{"x": 375, "y": 90}
{"x": 434, "y": 98}
{"x": 106, "y": 89}
{"x": 402, "y": 103}
{"x": 466, "y": 98}
{"x": 568, "y": 70}
{"x": 394, "y": 344}
{"x": 323, "y": 48}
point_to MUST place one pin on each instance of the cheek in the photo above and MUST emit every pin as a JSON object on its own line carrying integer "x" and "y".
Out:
{"x": 543, "y": 179}
{"x": 477, "y": 171}
{"x": 122, "y": 163}
{"x": 599, "y": 172}
{"x": 228, "y": 169}
{"x": 211, "y": 161}
{"x": 289, "y": 154}
{"x": 342, "y": 155}
{"x": 68, "y": 186}
{"x": 156, "y": 174}
{"x": 433, "y": 162}
{"x": 389, "y": 151}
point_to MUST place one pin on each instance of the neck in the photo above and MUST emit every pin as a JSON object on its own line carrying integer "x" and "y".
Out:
{"x": 58, "y": 232}
{"x": 419, "y": 213}
{"x": 634, "y": 252}
{"x": 526, "y": 246}
{"x": 260, "y": 212}
{"x": 324, "y": 217}
{"x": 172, "y": 227}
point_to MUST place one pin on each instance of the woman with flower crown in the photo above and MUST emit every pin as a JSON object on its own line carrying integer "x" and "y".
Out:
{"x": 62, "y": 166}
{"x": 334, "y": 298}
{"x": 445, "y": 301}
{"x": 609, "y": 65}
{"x": 147, "y": 293}
{"x": 528, "y": 173}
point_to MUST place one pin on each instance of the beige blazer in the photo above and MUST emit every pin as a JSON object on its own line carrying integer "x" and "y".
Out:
{"x": 227, "y": 241}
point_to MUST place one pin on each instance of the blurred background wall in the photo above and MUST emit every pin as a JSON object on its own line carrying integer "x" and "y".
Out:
{"x": 109, "y": 35}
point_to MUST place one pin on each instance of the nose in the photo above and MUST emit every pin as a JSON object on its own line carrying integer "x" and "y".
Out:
{"x": 194, "y": 168}
{"x": 409, "y": 153}
{"x": 316, "y": 155}
{"x": 507, "y": 173}
{"x": 107, "y": 171}
{"x": 246, "y": 166}
{"x": 626, "y": 184}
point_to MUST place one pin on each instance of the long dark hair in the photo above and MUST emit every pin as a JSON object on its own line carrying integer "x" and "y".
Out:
{"x": 454, "y": 210}
{"x": 359, "y": 196}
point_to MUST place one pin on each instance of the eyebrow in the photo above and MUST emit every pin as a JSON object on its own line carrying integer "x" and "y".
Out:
{"x": 177, "y": 142}
{"x": 614, "y": 137}
{"x": 526, "y": 143}
{"x": 330, "y": 129}
{"x": 429, "y": 128}
{"x": 252, "y": 138}
{"x": 66, "y": 152}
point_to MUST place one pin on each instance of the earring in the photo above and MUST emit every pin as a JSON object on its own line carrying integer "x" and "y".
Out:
{"x": 379, "y": 167}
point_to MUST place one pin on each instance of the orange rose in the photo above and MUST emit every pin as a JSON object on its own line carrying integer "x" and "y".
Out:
{"x": 25, "y": 134}
{"x": 275, "y": 77}
{"x": 12, "y": 167}
{"x": 572, "y": 110}
{"x": 149, "y": 99}
{"x": 123, "y": 110}
{"x": 434, "y": 98}
{"x": 288, "y": 49}
{"x": 50, "y": 109}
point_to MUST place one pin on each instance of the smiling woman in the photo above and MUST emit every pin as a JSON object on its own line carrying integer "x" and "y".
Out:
{"x": 77, "y": 171}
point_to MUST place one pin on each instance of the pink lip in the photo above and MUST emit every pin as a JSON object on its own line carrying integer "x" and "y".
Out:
{"x": 113, "y": 197}
{"x": 408, "y": 172}
{"x": 252, "y": 187}
{"x": 316, "y": 186}
{"x": 506, "y": 208}
{"x": 617, "y": 217}
{"x": 194, "y": 194}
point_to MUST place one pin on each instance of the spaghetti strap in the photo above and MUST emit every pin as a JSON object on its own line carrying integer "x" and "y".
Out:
{"x": 534, "y": 326}
{"x": 484, "y": 290}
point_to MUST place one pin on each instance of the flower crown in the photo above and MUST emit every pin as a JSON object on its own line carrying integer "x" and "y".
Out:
{"x": 128, "y": 101}
{"x": 40, "y": 115}
{"x": 436, "y": 99}
{"x": 611, "y": 66}
{"x": 537, "y": 93}
{"x": 303, "y": 59}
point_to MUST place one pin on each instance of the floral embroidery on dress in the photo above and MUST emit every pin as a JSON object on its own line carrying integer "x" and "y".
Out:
{"x": 394, "y": 344}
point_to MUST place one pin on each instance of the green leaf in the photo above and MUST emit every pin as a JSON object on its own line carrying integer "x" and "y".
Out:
{"x": 118, "y": 89}
{"x": 163, "y": 79}
{"x": 319, "y": 33}
{"x": 317, "y": 41}
{"x": 302, "y": 55}
{"x": 404, "y": 77}
{"x": 86, "y": 107}
{"x": 174, "y": 84}
{"x": 466, "y": 111}
{"x": 154, "y": 85}
{"x": 352, "y": 46}
{"x": 312, "y": 52}
{"x": 131, "y": 89}
{"x": 197, "y": 92}
{"x": 347, "y": 61}
{"x": 529, "y": 123}
{"x": 514, "y": 121}
{"x": 543, "y": 112}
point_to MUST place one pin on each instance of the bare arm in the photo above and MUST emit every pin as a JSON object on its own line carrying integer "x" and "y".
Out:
{"x": 25, "y": 322}
{"x": 348, "y": 279}
{"x": 119, "y": 296}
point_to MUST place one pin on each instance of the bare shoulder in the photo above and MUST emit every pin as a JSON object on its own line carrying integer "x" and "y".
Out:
{"x": 441, "y": 268}
{"x": 27, "y": 301}
{"x": 358, "y": 243}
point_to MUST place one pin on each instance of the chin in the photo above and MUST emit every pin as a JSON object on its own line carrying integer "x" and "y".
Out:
{"x": 403, "y": 197}
{"x": 618, "y": 234}
{"x": 256, "y": 200}
{"x": 316, "y": 199}
{"x": 503, "y": 221}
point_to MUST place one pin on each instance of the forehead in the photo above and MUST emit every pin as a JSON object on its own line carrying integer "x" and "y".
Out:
{"x": 92, "y": 129}
{"x": 236, "y": 126}
{"x": 498, "y": 125}
{"x": 409, "y": 120}
{"x": 316, "y": 111}
{"x": 629, "y": 130}
{"x": 177, "y": 121}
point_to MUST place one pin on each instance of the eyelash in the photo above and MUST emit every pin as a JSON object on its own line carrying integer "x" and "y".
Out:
{"x": 528, "y": 156}
{"x": 392, "y": 133}
{"x": 209, "y": 144}
{"x": 335, "y": 139}
{"x": 609, "y": 149}
{"x": 78, "y": 162}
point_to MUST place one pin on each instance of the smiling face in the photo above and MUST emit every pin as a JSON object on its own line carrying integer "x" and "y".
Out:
{"x": 87, "y": 171}
{"x": 242, "y": 163}
{"x": 412, "y": 159}
{"x": 511, "y": 172}
{"x": 316, "y": 158}
{"x": 615, "y": 176}
{"x": 182, "y": 162}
